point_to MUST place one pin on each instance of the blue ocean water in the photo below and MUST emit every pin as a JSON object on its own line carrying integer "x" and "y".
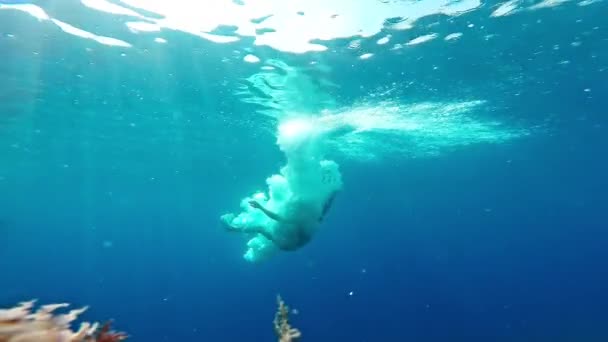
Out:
{"x": 474, "y": 204}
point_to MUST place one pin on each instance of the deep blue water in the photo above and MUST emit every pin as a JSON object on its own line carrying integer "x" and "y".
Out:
{"x": 114, "y": 171}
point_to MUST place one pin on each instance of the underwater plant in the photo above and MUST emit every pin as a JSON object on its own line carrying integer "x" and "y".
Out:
{"x": 283, "y": 329}
{"x": 22, "y": 324}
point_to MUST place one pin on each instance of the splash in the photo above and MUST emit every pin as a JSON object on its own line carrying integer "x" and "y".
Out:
{"x": 41, "y": 15}
{"x": 279, "y": 25}
{"x": 375, "y": 129}
{"x": 382, "y": 124}
{"x": 282, "y": 89}
{"x": 286, "y": 216}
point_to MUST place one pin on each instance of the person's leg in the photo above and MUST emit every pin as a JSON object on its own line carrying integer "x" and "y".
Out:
{"x": 258, "y": 230}
{"x": 227, "y": 222}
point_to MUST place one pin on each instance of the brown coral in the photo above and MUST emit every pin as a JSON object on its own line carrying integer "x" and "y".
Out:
{"x": 107, "y": 335}
{"x": 21, "y": 324}
{"x": 281, "y": 324}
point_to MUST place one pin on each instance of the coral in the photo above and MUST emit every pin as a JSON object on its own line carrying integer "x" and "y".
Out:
{"x": 107, "y": 335}
{"x": 281, "y": 324}
{"x": 22, "y": 324}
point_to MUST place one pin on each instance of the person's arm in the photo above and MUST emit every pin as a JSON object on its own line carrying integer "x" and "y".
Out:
{"x": 270, "y": 214}
{"x": 327, "y": 205}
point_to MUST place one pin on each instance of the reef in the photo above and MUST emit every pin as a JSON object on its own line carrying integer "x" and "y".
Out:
{"x": 22, "y": 324}
{"x": 284, "y": 330}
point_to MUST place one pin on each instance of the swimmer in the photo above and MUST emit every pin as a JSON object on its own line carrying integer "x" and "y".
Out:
{"x": 290, "y": 232}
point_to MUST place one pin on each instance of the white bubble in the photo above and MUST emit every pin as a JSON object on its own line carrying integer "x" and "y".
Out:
{"x": 453, "y": 36}
{"x": 422, "y": 39}
{"x": 383, "y": 40}
{"x": 251, "y": 59}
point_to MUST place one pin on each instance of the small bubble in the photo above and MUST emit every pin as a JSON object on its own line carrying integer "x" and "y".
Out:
{"x": 251, "y": 58}
{"x": 383, "y": 40}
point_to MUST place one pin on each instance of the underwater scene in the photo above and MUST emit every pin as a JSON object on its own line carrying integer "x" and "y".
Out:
{"x": 303, "y": 170}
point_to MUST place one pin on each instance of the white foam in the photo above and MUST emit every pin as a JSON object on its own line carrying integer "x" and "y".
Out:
{"x": 108, "y": 7}
{"x": 383, "y": 40}
{"x": 547, "y": 4}
{"x": 251, "y": 59}
{"x": 588, "y": 2}
{"x": 41, "y": 15}
{"x": 218, "y": 38}
{"x": 320, "y": 20}
{"x": 67, "y": 28}
{"x": 453, "y": 36}
{"x": 402, "y": 25}
{"x": 375, "y": 129}
{"x": 30, "y": 9}
{"x": 505, "y": 9}
{"x": 139, "y": 26}
{"x": 283, "y": 28}
{"x": 422, "y": 39}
